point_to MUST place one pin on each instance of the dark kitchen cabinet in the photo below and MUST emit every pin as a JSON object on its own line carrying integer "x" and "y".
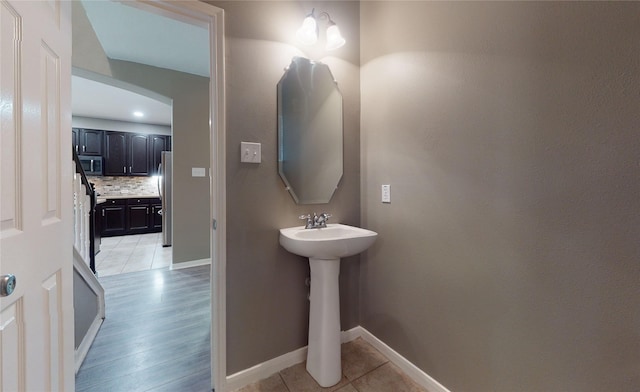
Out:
{"x": 159, "y": 143}
{"x": 113, "y": 217}
{"x": 75, "y": 139}
{"x": 126, "y": 154}
{"x": 156, "y": 217}
{"x": 138, "y": 155}
{"x": 138, "y": 219}
{"x": 88, "y": 141}
{"x": 115, "y": 157}
{"x": 139, "y": 215}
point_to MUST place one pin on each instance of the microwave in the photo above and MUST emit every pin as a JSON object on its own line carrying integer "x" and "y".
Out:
{"x": 92, "y": 165}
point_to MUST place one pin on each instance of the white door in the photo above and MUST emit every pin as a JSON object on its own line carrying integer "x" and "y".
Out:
{"x": 36, "y": 232}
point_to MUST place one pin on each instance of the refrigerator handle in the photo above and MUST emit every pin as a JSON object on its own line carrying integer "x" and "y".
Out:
{"x": 159, "y": 177}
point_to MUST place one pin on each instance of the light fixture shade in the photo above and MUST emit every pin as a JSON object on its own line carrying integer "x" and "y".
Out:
{"x": 308, "y": 32}
{"x": 334, "y": 38}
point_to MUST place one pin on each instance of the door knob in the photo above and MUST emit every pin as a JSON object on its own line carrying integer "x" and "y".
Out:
{"x": 7, "y": 285}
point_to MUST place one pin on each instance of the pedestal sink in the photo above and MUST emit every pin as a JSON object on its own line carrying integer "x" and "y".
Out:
{"x": 324, "y": 247}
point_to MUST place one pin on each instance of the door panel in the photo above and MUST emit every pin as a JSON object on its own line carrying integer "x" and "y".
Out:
{"x": 12, "y": 356}
{"x": 50, "y": 93}
{"x": 10, "y": 138}
{"x": 53, "y": 328}
{"x": 36, "y": 222}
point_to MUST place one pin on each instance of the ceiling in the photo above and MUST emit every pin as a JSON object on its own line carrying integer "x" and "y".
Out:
{"x": 98, "y": 100}
{"x": 130, "y": 34}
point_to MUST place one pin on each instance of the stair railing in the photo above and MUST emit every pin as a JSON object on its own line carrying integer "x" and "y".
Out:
{"x": 84, "y": 201}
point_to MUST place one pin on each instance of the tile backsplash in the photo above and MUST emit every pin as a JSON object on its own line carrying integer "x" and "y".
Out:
{"x": 122, "y": 186}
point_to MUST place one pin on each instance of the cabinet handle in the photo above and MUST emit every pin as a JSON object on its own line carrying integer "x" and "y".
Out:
{"x": 76, "y": 148}
{"x": 129, "y": 169}
{"x": 84, "y": 148}
{"x": 92, "y": 165}
{"x": 124, "y": 169}
{"x": 103, "y": 212}
{"x": 147, "y": 210}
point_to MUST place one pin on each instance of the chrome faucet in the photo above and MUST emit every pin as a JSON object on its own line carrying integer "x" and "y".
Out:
{"x": 315, "y": 221}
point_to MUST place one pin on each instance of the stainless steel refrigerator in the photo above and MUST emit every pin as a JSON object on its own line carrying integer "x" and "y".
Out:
{"x": 164, "y": 189}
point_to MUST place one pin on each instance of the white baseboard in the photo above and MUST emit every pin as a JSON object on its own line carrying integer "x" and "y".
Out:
{"x": 411, "y": 370}
{"x": 85, "y": 345}
{"x": 189, "y": 264}
{"x": 351, "y": 334}
{"x": 273, "y": 366}
{"x": 265, "y": 369}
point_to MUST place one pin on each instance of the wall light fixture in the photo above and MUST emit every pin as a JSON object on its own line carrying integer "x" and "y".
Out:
{"x": 308, "y": 32}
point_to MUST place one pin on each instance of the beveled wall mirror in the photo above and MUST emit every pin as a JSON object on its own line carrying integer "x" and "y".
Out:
{"x": 310, "y": 137}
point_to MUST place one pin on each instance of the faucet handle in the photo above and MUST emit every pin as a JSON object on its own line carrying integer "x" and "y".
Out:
{"x": 308, "y": 220}
{"x": 323, "y": 218}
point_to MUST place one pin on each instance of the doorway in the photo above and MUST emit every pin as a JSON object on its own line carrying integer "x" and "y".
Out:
{"x": 211, "y": 18}
{"x": 131, "y": 223}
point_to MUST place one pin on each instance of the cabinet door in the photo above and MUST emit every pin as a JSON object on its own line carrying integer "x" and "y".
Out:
{"x": 91, "y": 141}
{"x": 115, "y": 157}
{"x": 158, "y": 144}
{"x": 138, "y": 218}
{"x": 75, "y": 140}
{"x": 113, "y": 219}
{"x": 138, "y": 155}
{"x": 156, "y": 218}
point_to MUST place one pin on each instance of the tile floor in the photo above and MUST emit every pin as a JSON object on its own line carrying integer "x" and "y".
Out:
{"x": 364, "y": 369}
{"x": 132, "y": 253}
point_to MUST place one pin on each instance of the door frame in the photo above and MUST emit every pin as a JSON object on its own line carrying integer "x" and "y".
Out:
{"x": 211, "y": 17}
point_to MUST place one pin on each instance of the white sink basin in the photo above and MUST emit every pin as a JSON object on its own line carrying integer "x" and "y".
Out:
{"x": 332, "y": 242}
{"x": 324, "y": 247}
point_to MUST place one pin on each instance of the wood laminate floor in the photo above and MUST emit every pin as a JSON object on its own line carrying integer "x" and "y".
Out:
{"x": 156, "y": 334}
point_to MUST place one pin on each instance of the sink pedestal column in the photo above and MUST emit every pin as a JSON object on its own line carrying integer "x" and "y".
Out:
{"x": 323, "y": 355}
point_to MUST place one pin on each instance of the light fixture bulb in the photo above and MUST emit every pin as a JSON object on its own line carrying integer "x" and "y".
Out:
{"x": 334, "y": 38}
{"x": 138, "y": 114}
{"x": 308, "y": 32}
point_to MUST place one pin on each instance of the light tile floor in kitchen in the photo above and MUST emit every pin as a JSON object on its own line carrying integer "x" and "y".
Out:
{"x": 130, "y": 253}
{"x": 364, "y": 369}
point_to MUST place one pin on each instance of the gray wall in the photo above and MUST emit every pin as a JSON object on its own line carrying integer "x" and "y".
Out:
{"x": 87, "y": 52}
{"x": 509, "y": 132}
{"x": 85, "y": 307}
{"x": 267, "y": 307}
{"x": 190, "y": 125}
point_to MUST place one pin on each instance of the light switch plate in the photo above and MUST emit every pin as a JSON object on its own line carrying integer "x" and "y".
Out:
{"x": 250, "y": 152}
{"x": 386, "y": 193}
{"x": 198, "y": 172}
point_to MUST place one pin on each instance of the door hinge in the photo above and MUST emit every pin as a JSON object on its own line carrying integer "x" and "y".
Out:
{"x": 215, "y": 224}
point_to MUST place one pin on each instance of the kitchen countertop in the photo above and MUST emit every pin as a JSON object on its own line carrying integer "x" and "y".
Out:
{"x": 102, "y": 198}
